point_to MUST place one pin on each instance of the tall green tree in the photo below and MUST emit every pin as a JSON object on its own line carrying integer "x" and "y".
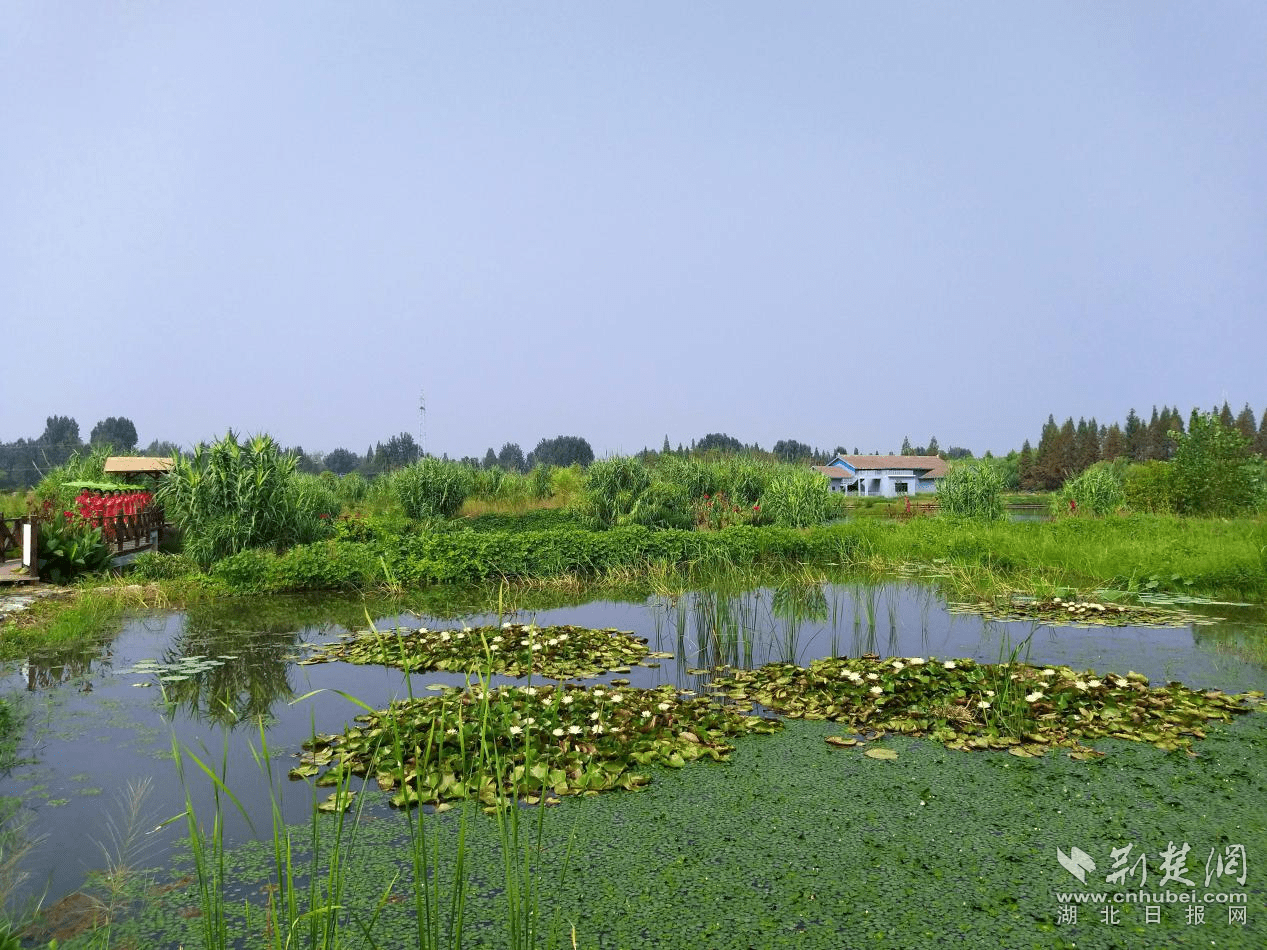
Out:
{"x": 1214, "y": 471}
{"x": 114, "y": 430}
{"x": 562, "y": 451}
{"x": 342, "y": 462}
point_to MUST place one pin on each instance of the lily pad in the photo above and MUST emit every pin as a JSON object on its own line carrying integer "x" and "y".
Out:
{"x": 880, "y": 754}
{"x": 559, "y": 652}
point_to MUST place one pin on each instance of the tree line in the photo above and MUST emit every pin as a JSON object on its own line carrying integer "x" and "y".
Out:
{"x": 25, "y": 461}
{"x": 1069, "y": 449}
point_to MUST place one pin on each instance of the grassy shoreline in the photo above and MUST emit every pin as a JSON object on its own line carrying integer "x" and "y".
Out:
{"x": 1142, "y": 554}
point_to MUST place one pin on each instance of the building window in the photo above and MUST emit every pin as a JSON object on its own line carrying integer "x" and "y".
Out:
{"x": 899, "y": 488}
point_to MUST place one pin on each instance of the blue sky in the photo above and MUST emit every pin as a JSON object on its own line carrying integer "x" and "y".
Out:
{"x": 843, "y": 223}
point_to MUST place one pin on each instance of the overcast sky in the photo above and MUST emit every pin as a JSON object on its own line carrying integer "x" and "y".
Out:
{"x": 838, "y": 222}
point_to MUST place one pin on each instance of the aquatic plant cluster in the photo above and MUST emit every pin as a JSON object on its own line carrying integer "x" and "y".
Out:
{"x": 525, "y": 743}
{"x": 513, "y": 649}
{"x": 967, "y": 705}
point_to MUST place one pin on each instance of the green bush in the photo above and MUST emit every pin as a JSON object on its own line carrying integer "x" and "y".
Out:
{"x": 1096, "y": 490}
{"x": 972, "y": 490}
{"x": 156, "y": 566}
{"x": 1149, "y": 488}
{"x": 1214, "y": 471}
{"x": 431, "y": 488}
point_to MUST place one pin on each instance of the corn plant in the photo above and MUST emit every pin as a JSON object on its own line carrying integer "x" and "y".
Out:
{"x": 972, "y": 491}
{"x": 227, "y": 497}
{"x": 431, "y": 488}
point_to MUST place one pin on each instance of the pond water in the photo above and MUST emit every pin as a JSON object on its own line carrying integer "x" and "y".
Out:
{"x": 97, "y": 727}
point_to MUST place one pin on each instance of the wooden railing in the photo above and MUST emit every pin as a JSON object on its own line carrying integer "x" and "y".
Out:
{"x": 127, "y": 533}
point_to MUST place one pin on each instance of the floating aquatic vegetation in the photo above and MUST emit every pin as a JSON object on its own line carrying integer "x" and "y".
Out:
{"x": 529, "y": 743}
{"x": 966, "y": 705}
{"x": 562, "y": 652}
{"x": 187, "y": 667}
{"x": 1056, "y": 610}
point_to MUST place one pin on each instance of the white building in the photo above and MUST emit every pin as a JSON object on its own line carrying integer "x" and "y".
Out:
{"x": 884, "y": 475}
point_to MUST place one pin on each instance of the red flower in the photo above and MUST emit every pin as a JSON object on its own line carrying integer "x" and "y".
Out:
{"x": 756, "y": 507}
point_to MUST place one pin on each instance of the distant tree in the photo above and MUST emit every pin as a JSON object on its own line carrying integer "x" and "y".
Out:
{"x": 1025, "y": 466}
{"x": 790, "y": 450}
{"x": 400, "y": 450}
{"x": 1086, "y": 450}
{"x": 115, "y": 430}
{"x": 62, "y": 430}
{"x": 490, "y": 458}
{"x": 956, "y": 452}
{"x": 1260, "y": 440}
{"x": 511, "y": 458}
{"x": 933, "y": 447}
{"x": 664, "y": 449}
{"x": 719, "y": 442}
{"x": 1246, "y": 423}
{"x": 342, "y": 462}
{"x": 563, "y": 450}
{"x": 160, "y": 448}
{"x": 1136, "y": 434}
{"x": 906, "y": 446}
{"x": 1113, "y": 444}
{"x": 1225, "y": 416}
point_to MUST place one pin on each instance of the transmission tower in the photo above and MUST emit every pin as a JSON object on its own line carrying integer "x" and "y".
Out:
{"x": 422, "y": 424}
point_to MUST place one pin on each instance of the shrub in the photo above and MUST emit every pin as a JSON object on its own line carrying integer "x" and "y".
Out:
{"x": 1214, "y": 472}
{"x": 431, "y": 488}
{"x": 972, "y": 490}
{"x": 1149, "y": 487}
{"x": 1097, "y": 490}
{"x": 156, "y": 566}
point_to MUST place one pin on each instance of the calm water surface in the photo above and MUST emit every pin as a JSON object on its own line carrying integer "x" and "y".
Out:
{"x": 97, "y": 728}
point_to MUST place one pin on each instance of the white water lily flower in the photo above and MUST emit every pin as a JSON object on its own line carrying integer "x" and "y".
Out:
{"x": 536, "y": 646}
{"x": 557, "y": 733}
{"x": 1080, "y": 684}
{"x": 446, "y": 636}
{"x": 567, "y": 699}
{"x": 1119, "y": 682}
{"x": 524, "y": 642}
{"x": 1047, "y": 673}
{"x": 990, "y": 693}
{"x": 615, "y": 697}
{"x": 574, "y": 730}
{"x": 497, "y": 639}
{"x": 1093, "y": 683}
{"x": 506, "y": 625}
{"x": 594, "y": 715}
{"x": 516, "y": 730}
{"x": 563, "y": 636}
{"x": 877, "y": 691}
{"x": 983, "y": 705}
{"x": 898, "y": 665}
{"x": 553, "y": 641}
{"x": 873, "y": 676}
{"x": 663, "y": 707}
{"x": 529, "y": 721}
{"x": 1034, "y": 696}
{"x": 646, "y": 714}
{"x": 598, "y": 692}
{"x": 531, "y": 691}
{"x": 916, "y": 661}
{"x": 597, "y": 730}
{"x": 949, "y": 664}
